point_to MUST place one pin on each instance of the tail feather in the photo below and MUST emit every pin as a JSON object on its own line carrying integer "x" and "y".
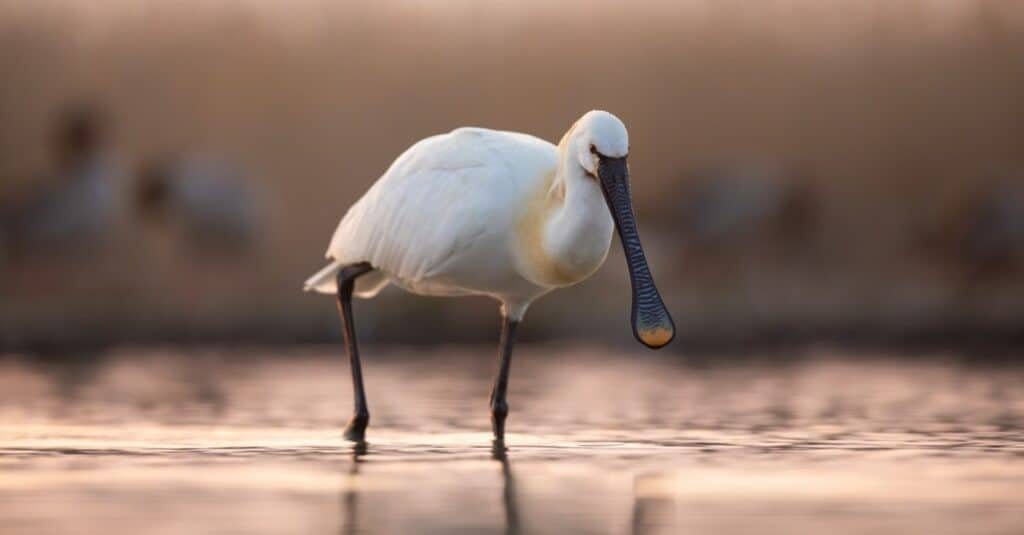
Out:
{"x": 325, "y": 280}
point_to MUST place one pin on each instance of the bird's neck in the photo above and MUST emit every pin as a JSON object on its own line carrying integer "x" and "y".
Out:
{"x": 568, "y": 228}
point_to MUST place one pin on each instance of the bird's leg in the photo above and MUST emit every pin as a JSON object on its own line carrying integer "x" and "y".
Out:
{"x": 356, "y": 428}
{"x": 499, "y": 403}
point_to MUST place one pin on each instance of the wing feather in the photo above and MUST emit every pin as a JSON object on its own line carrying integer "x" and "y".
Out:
{"x": 435, "y": 201}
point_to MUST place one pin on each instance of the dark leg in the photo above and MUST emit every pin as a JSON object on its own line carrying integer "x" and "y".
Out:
{"x": 356, "y": 429}
{"x": 499, "y": 403}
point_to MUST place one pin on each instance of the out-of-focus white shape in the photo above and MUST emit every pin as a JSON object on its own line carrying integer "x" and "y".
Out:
{"x": 203, "y": 198}
{"x": 78, "y": 206}
{"x": 725, "y": 205}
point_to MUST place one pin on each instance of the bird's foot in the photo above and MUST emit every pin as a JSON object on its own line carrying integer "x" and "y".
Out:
{"x": 356, "y": 428}
{"x": 499, "y": 411}
{"x": 498, "y": 449}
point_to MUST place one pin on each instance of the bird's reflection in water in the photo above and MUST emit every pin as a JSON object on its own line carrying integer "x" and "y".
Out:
{"x": 350, "y": 498}
{"x": 508, "y": 495}
{"x": 651, "y": 512}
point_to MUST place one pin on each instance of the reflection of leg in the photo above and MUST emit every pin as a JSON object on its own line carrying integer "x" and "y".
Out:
{"x": 499, "y": 401}
{"x": 508, "y": 496}
{"x": 638, "y": 527}
{"x": 350, "y": 498}
{"x": 652, "y": 513}
{"x": 356, "y": 429}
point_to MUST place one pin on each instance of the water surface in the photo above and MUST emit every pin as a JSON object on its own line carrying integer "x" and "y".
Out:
{"x": 202, "y": 441}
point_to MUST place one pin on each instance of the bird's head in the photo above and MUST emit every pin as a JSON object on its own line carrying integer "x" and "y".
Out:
{"x": 81, "y": 130}
{"x": 599, "y": 135}
{"x": 154, "y": 189}
{"x": 600, "y": 143}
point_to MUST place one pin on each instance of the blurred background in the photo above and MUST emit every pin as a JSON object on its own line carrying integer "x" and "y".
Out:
{"x": 848, "y": 170}
{"x": 824, "y": 189}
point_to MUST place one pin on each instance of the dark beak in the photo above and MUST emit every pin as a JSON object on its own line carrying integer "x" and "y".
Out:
{"x": 652, "y": 324}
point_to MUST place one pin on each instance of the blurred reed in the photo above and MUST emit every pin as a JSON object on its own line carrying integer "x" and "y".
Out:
{"x": 888, "y": 119}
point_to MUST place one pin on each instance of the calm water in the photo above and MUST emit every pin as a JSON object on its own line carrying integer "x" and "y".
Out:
{"x": 207, "y": 442}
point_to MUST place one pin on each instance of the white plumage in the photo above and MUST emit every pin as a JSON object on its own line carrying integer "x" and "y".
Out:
{"x": 484, "y": 212}
{"x": 443, "y": 219}
{"x": 487, "y": 212}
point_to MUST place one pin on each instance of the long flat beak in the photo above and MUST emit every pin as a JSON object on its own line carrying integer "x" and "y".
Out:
{"x": 652, "y": 324}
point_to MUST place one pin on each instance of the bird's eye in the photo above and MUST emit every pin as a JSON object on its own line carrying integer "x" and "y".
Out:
{"x": 593, "y": 149}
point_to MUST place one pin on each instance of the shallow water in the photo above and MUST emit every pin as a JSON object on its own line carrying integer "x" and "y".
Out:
{"x": 202, "y": 441}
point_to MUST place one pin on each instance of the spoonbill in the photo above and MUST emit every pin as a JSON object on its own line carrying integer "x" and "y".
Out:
{"x": 726, "y": 207}
{"x": 78, "y": 206}
{"x": 487, "y": 212}
{"x": 204, "y": 198}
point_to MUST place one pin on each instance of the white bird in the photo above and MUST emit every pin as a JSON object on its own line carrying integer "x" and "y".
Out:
{"x": 487, "y": 212}
{"x": 79, "y": 208}
{"x": 206, "y": 198}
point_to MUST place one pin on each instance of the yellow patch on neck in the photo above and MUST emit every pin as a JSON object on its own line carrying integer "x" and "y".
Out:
{"x": 541, "y": 267}
{"x": 568, "y": 134}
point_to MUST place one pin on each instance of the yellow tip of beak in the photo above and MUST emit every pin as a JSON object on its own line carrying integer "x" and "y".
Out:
{"x": 656, "y": 337}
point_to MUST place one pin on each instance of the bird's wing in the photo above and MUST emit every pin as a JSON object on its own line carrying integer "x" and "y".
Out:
{"x": 437, "y": 199}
